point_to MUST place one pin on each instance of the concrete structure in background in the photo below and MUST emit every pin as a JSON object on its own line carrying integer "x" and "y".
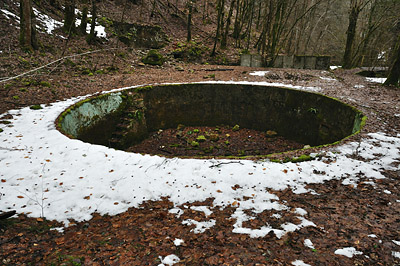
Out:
{"x": 303, "y": 62}
{"x": 288, "y": 61}
{"x": 251, "y": 60}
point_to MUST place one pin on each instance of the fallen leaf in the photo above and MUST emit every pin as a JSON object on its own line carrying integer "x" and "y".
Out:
{"x": 3, "y": 181}
{"x": 219, "y": 191}
{"x": 39, "y": 219}
{"x": 20, "y": 197}
{"x": 86, "y": 198}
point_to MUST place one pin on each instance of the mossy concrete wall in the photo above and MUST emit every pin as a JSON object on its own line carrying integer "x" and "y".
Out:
{"x": 88, "y": 113}
{"x": 309, "y": 118}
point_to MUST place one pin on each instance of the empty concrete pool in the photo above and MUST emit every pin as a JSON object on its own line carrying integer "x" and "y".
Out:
{"x": 125, "y": 118}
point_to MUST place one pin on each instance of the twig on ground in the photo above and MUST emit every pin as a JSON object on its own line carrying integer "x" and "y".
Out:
{"x": 53, "y": 62}
{"x": 219, "y": 164}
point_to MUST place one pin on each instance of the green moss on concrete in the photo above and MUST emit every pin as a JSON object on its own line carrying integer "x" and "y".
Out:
{"x": 256, "y": 107}
{"x": 143, "y": 89}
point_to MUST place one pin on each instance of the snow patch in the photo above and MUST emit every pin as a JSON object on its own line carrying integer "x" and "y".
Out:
{"x": 204, "y": 209}
{"x": 396, "y": 242}
{"x": 348, "y": 252}
{"x": 308, "y": 243}
{"x": 58, "y": 229}
{"x": 169, "y": 260}
{"x": 178, "y": 242}
{"x": 376, "y": 80}
{"x": 300, "y": 211}
{"x": 396, "y": 254}
{"x": 299, "y": 263}
{"x": 49, "y": 24}
{"x": 276, "y": 215}
{"x": 201, "y": 227}
{"x": 327, "y": 79}
{"x": 258, "y": 73}
{"x": 10, "y": 15}
{"x": 177, "y": 211}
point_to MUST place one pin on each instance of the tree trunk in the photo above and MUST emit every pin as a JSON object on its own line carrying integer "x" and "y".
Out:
{"x": 351, "y": 34}
{"x": 220, "y": 9}
{"x": 83, "y": 25}
{"x": 228, "y": 24}
{"x": 69, "y": 21}
{"x": 394, "y": 72}
{"x": 27, "y": 36}
{"x": 189, "y": 22}
{"x": 92, "y": 35}
{"x": 236, "y": 31}
{"x": 251, "y": 6}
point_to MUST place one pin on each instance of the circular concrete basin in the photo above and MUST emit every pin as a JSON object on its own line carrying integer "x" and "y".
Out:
{"x": 123, "y": 118}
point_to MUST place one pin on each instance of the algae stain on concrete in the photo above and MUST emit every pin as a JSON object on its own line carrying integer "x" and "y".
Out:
{"x": 127, "y": 117}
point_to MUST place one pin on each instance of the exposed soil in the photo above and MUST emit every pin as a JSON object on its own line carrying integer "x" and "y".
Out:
{"x": 218, "y": 141}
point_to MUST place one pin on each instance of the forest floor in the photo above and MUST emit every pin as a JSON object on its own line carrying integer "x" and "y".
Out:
{"x": 331, "y": 222}
{"x": 364, "y": 216}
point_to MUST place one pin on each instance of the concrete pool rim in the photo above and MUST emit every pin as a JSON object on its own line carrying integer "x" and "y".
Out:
{"x": 359, "y": 120}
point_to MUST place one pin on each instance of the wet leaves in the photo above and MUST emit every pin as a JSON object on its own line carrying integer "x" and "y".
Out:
{"x": 139, "y": 236}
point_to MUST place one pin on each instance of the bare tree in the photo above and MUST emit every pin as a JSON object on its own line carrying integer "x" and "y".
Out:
{"x": 27, "y": 35}
{"x": 394, "y": 72}
{"x": 92, "y": 35}
{"x": 228, "y": 24}
{"x": 356, "y": 6}
{"x": 69, "y": 17}
{"x": 84, "y": 20}
{"x": 189, "y": 20}
{"x": 220, "y": 18}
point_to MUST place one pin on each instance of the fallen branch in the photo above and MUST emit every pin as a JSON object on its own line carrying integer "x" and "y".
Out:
{"x": 219, "y": 164}
{"x": 218, "y": 69}
{"x": 58, "y": 60}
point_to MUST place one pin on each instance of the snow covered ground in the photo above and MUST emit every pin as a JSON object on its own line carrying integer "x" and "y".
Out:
{"x": 45, "y": 174}
{"x": 47, "y": 24}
